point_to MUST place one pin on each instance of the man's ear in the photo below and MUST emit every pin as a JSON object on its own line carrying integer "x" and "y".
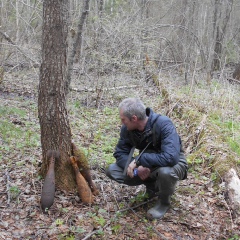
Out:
{"x": 134, "y": 118}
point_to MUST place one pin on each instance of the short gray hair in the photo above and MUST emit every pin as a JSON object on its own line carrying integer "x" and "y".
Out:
{"x": 133, "y": 106}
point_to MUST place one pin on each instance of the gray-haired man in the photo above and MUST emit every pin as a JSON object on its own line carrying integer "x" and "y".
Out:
{"x": 161, "y": 161}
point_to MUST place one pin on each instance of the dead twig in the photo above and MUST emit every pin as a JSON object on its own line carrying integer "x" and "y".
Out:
{"x": 104, "y": 89}
{"x": 95, "y": 231}
{"x": 136, "y": 206}
{"x": 90, "y": 234}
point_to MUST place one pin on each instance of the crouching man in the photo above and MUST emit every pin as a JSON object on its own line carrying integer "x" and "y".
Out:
{"x": 161, "y": 161}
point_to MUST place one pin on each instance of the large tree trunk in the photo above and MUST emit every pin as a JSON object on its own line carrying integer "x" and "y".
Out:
{"x": 53, "y": 115}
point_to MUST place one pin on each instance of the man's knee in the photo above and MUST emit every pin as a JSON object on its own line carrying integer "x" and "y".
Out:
{"x": 162, "y": 173}
{"x": 109, "y": 170}
{"x": 115, "y": 172}
{"x": 181, "y": 169}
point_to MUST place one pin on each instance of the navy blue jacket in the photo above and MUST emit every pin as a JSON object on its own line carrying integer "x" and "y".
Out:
{"x": 162, "y": 152}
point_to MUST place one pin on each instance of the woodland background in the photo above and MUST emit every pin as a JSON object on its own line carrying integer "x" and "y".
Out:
{"x": 178, "y": 56}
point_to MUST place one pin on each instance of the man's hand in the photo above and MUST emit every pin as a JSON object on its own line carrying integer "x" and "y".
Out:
{"x": 130, "y": 169}
{"x": 143, "y": 172}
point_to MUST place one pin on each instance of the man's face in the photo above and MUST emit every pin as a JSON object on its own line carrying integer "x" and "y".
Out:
{"x": 131, "y": 124}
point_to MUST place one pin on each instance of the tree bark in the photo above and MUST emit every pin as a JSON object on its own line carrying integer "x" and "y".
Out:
{"x": 52, "y": 110}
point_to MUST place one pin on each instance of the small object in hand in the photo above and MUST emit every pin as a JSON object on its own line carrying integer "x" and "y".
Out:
{"x": 135, "y": 172}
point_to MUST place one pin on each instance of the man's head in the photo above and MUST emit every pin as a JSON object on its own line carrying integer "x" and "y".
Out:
{"x": 133, "y": 113}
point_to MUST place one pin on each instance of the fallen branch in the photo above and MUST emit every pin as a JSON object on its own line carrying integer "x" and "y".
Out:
{"x": 102, "y": 89}
{"x": 232, "y": 80}
{"x": 90, "y": 234}
{"x": 19, "y": 49}
{"x": 136, "y": 206}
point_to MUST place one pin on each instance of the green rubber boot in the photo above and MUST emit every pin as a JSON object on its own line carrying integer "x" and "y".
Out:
{"x": 160, "y": 208}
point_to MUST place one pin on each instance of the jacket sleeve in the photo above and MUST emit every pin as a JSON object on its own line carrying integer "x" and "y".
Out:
{"x": 123, "y": 148}
{"x": 168, "y": 143}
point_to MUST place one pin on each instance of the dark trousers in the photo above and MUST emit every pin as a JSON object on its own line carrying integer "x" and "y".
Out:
{"x": 162, "y": 180}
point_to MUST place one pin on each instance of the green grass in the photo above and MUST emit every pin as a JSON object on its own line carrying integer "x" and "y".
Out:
{"x": 19, "y": 136}
{"x": 100, "y": 128}
{"x": 231, "y": 131}
{"x": 7, "y": 111}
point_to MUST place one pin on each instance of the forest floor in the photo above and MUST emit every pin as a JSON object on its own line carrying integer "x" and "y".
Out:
{"x": 198, "y": 209}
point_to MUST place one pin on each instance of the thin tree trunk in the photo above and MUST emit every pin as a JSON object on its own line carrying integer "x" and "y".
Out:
{"x": 17, "y": 21}
{"x": 75, "y": 44}
{"x": 220, "y": 28}
{"x": 78, "y": 41}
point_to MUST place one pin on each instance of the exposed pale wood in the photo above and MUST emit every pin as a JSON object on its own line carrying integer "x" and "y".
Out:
{"x": 233, "y": 190}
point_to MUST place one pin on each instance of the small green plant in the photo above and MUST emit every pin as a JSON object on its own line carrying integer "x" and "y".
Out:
{"x": 71, "y": 237}
{"x": 121, "y": 206}
{"x": 90, "y": 214}
{"x": 150, "y": 229}
{"x": 59, "y": 222}
{"x": 64, "y": 237}
{"x": 80, "y": 230}
{"x": 235, "y": 237}
{"x": 99, "y": 220}
{"x": 14, "y": 192}
{"x": 101, "y": 210}
{"x": 116, "y": 228}
{"x": 100, "y": 232}
{"x": 139, "y": 198}
{"x": 214, "y": 176}
{"x": 64, "y": 210}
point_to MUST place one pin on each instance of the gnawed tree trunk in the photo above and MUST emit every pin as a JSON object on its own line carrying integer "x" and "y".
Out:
{"x": 53, "y": 116}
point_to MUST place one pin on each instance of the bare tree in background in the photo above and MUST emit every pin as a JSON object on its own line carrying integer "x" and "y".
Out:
{"x": 114, "y": 34}
{"x": 221, "y": 15}
{"x": 75, "y": 43}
